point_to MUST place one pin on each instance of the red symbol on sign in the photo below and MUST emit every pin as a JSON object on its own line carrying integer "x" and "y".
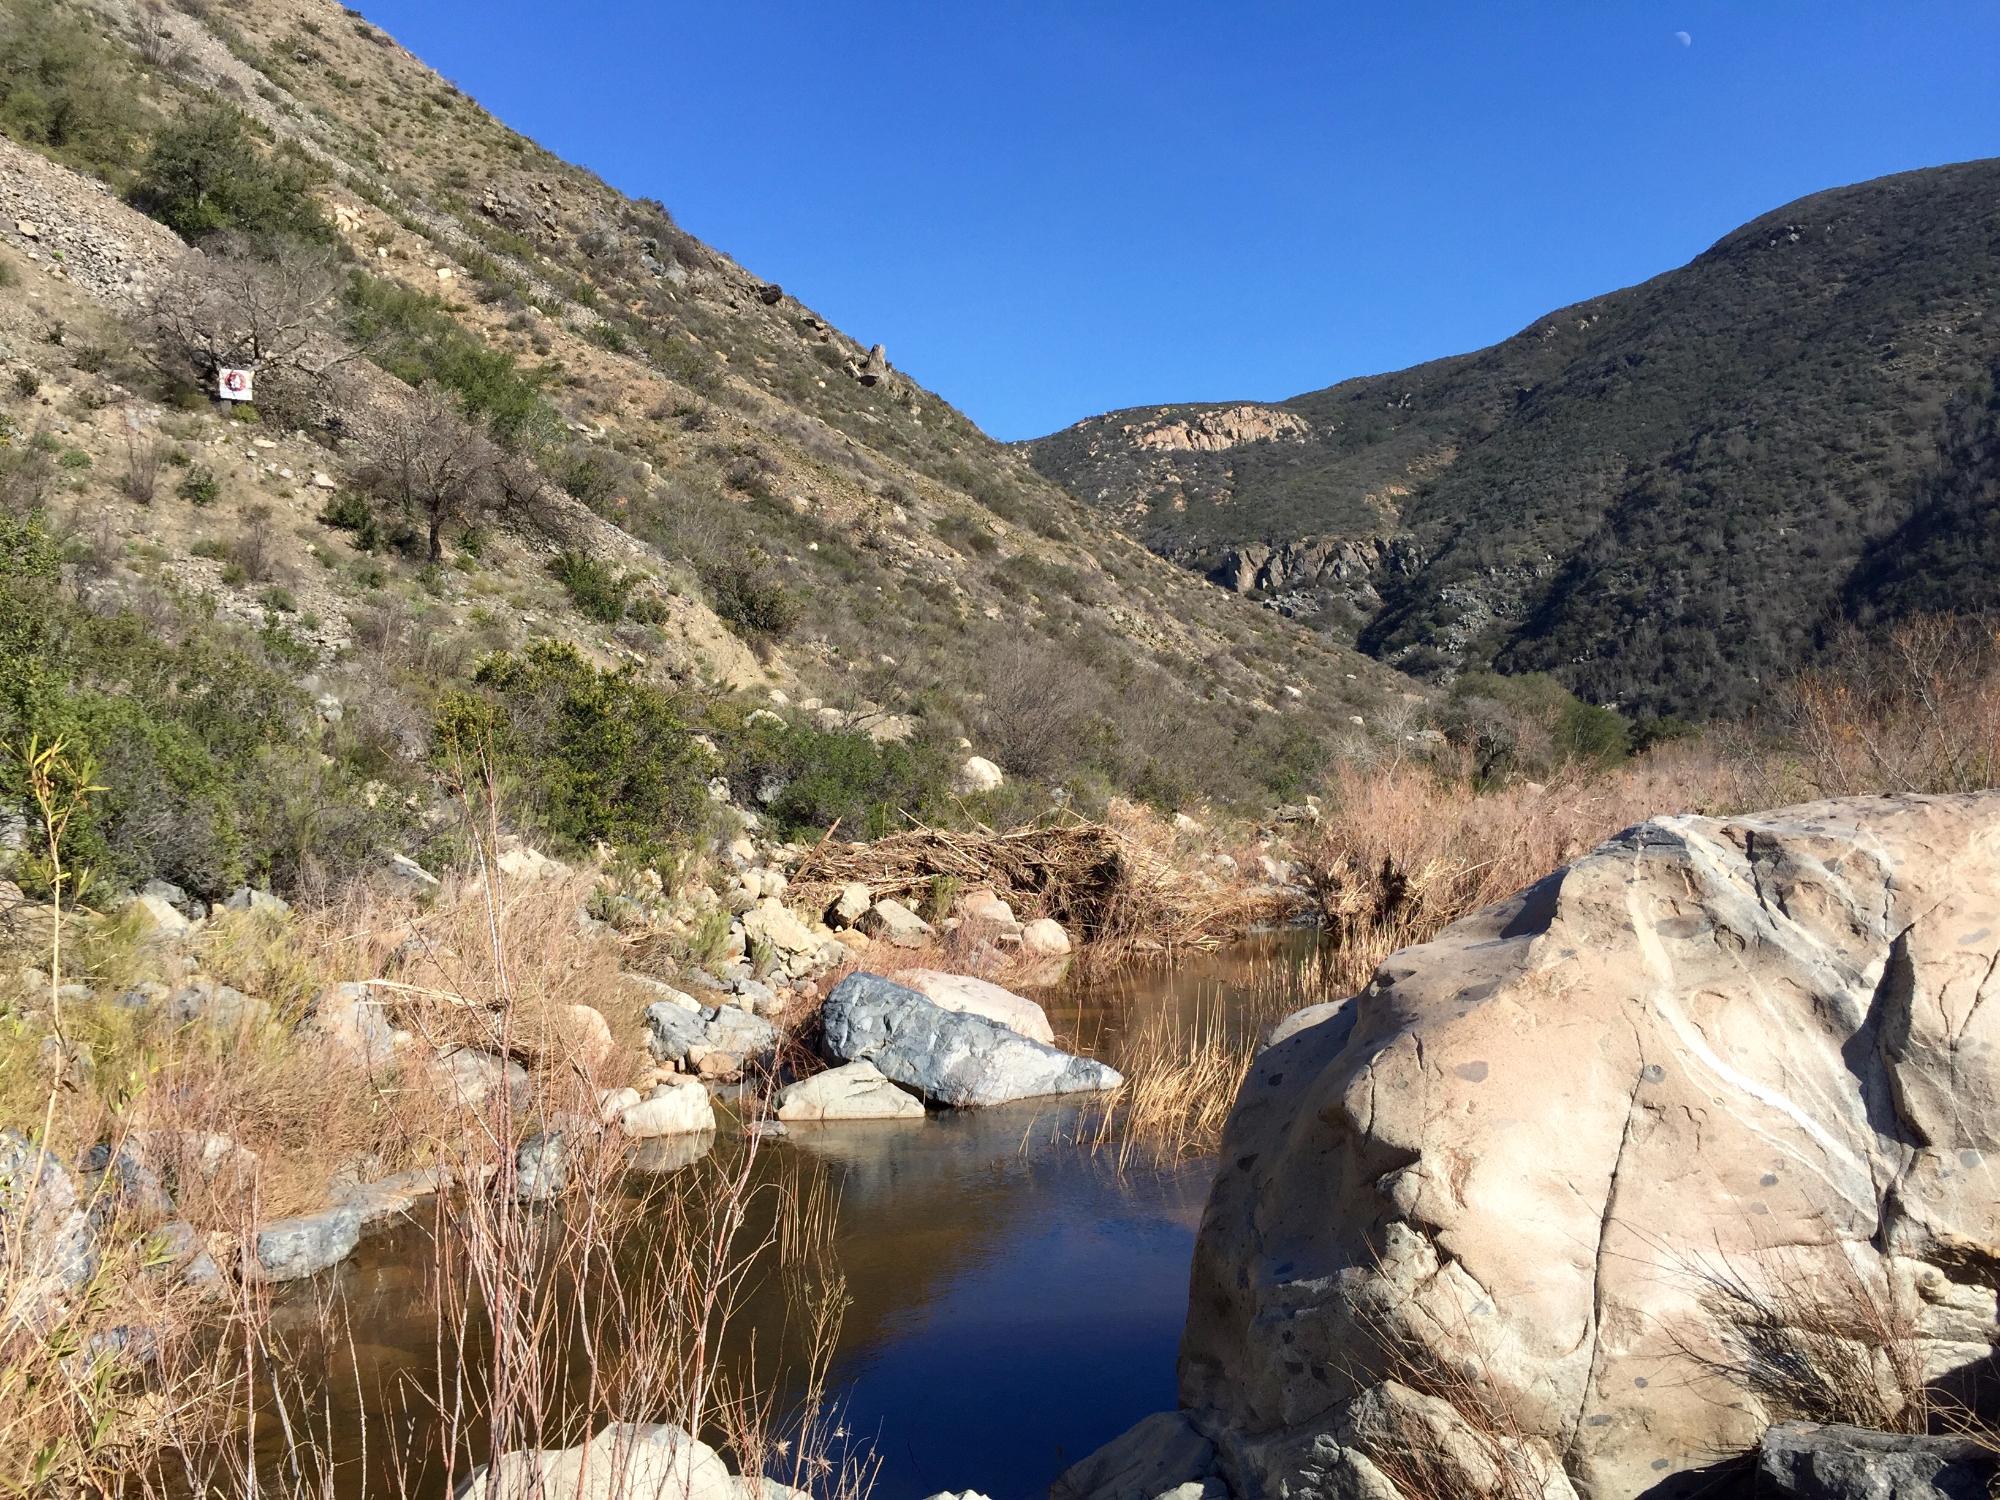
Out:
{"x": 234, "y": 380}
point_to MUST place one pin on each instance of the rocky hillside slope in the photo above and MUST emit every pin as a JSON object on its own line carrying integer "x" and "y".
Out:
{"x": 696, "y": 479}
{"x": 1693, "y": 1136}
{"x": 1666, "y": 495}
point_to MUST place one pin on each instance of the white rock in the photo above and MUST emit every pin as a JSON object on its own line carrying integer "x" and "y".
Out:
{"x": 977, "y": 774}
{"x": 1044, "y": 938}
{"x": 980, "y": 997}
{"x": 854, "y": 1091}
{"x": 895, "y": 923}
{"x": 680, "y": 1106}
{"x": 626, "y": 1461}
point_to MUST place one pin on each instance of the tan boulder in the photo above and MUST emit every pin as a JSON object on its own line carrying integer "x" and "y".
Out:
{"x": 1536, "y": 1152}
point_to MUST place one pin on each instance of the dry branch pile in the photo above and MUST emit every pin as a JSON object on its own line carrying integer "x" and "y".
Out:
{"x": 1118, "y": 886}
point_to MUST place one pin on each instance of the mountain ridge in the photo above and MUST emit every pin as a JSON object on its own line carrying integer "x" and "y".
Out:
{"x": 1533, "y": 476}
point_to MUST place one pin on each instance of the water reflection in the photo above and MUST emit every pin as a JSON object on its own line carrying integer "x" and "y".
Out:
{"x": 1015, "y": 1299}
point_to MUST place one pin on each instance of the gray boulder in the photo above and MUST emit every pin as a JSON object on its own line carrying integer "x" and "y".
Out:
{"x": 541, "y": 1166}
{"x": 45, "y": 1238}
{"x": 1804, "y": 1461}
{"x": 949, "y": 1057}
{"x": 288, "y": 1249}
{"x": 671, "y": 1030}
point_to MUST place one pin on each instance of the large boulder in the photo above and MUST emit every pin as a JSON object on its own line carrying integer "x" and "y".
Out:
{"x": 288, "y": 1249}
{"x": 950, "y": 1057}
{"x": 45, "y": 1234}
{"x": 680, "y": 1106}
{"x": 893, "y": 922}
{"x": 1595, "y": 1153}
{"x": 981, "y": 997}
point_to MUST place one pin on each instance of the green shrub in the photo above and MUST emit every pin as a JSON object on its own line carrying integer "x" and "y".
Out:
{"x": 351, "y": 513}
{"x": 210, "y": 173}
{"x": 580, "y": 755}
{"x": 415, "y": 336}
{"x": 809, "y": 779}
{"x": 66, "y": 90}
{"x": 751, "y": 600}
{"x": 199, "y": 487}
{"x": 593, "y": 588}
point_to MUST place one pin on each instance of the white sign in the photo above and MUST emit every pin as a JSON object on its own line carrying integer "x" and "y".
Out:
{"x": 234, "y": 385}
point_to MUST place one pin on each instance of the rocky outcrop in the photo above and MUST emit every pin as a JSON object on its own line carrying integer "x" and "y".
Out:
{"x": 949, "y": 1057}
{"x": 1213, "y": 431}
{"x": 1549, "y": 1154}
{"x": 1348, "y": 566}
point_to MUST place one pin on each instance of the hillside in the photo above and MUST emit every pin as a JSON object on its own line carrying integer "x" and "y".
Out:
{"x": 1667, "y": 496}
{"x": 744, "y": 522}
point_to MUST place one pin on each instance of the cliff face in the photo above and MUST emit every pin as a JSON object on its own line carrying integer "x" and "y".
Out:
{"x": 1665, "y": 495}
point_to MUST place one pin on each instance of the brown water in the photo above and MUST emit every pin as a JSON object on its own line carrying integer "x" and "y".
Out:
{"x": 1015, "y": 1299}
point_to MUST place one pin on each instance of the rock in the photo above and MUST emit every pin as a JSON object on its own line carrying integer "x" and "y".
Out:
{"x": 681, "y": 1107}
{"x": 772, "y": 923}
{"x": 611, "y": 1103}
{"x": 174, "y": 896}
{"x": 671, "y": 1029}
{"x": 397, "y": 1193}
{"x": 1156, "y": 1457}
{"x": 159, "y": 921}
{"x": 292, "y": 1248}
{"x": 1516, "y": 1150}
{"x": 854, "y": 1091}
{"x": 203, "y": 999}
{"x": 1045, "y": 938}
{"x": 1801, "y": 1461}
{"x": 985, "y": 906}
{"x": 409, "y": 877}
{"x": 244, "y": 898}
{"x": 474, "y": 1076}
{"x": 850, "y": 905}
{"x": 123, "y": 1182}
{"x": 893, "y": 922}
{"x": 348, "y": 1018}
{"x": 45, "y": 1238}
{"x": 947, "y": 1056}
{"x": 541, "y": 1166}
{"x": 977, "y": 774}
{"x": 660, "y": 990}
{"x": 321, "y": 480}
{"x": 981, "y": 997}
{"x": 626, "y": 1461}
{"x": 529, "y": 865}
{"x": 587, "y": 1032}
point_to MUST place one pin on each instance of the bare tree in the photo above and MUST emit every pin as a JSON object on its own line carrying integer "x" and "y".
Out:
{"x": 275, "y": 314}
{"x": 429, "y": 460}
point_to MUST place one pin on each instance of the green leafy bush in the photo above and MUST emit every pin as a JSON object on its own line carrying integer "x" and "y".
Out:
{"x": 751, "y": 600}
{"x": 352, "y": 514}
{"x": 598, "y": 591}
{"x": 66, "y": 90}
{"x": 210, "y": 173}
{"x": 809, "y": 779}
{"x": 580, "y": 755}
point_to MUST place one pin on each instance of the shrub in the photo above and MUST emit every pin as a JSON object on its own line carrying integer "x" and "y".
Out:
{"x": 349, "y": 512}
{"x": 66, "y": 90}
{"x": 582, "y": 755}
{"x": 416, "y": 337}
{"x": 198, "y": 486}
{"x": 810, "y": 779}
{"x": 752, "y": 601}
{"x": 210, "y": 173}
{"x": 593, "y": 588}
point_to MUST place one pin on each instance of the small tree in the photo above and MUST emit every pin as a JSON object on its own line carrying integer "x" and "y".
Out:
{"x": 229, "y": 308}
{"x": 430, "y": 461}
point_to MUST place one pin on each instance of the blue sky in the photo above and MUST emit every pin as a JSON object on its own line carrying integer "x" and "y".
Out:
{"x": 1049, "y": 210}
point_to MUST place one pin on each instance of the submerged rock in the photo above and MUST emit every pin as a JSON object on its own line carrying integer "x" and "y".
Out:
{"x": 949, "y": 1057}
{"x": 678, "y": 1107}
{"x": 1531, "y": 1146}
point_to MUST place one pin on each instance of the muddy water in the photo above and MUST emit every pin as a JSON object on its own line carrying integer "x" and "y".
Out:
{"x": 1015, "y": 1299}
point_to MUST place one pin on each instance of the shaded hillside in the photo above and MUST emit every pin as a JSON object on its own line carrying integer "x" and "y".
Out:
{"x": 1660, "y": 495}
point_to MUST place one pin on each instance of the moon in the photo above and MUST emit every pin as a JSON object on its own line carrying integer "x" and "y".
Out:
{"x": 1683, "y": 38}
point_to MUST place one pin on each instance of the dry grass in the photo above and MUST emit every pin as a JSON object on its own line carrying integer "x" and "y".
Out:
{"x": 1813, "y": 1336}
{"x": 1180, "y": 1081}
{"x": 1404, "y": 849}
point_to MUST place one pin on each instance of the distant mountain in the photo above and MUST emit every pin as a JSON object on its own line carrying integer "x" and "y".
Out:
{"x": 1667, "y": 495}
